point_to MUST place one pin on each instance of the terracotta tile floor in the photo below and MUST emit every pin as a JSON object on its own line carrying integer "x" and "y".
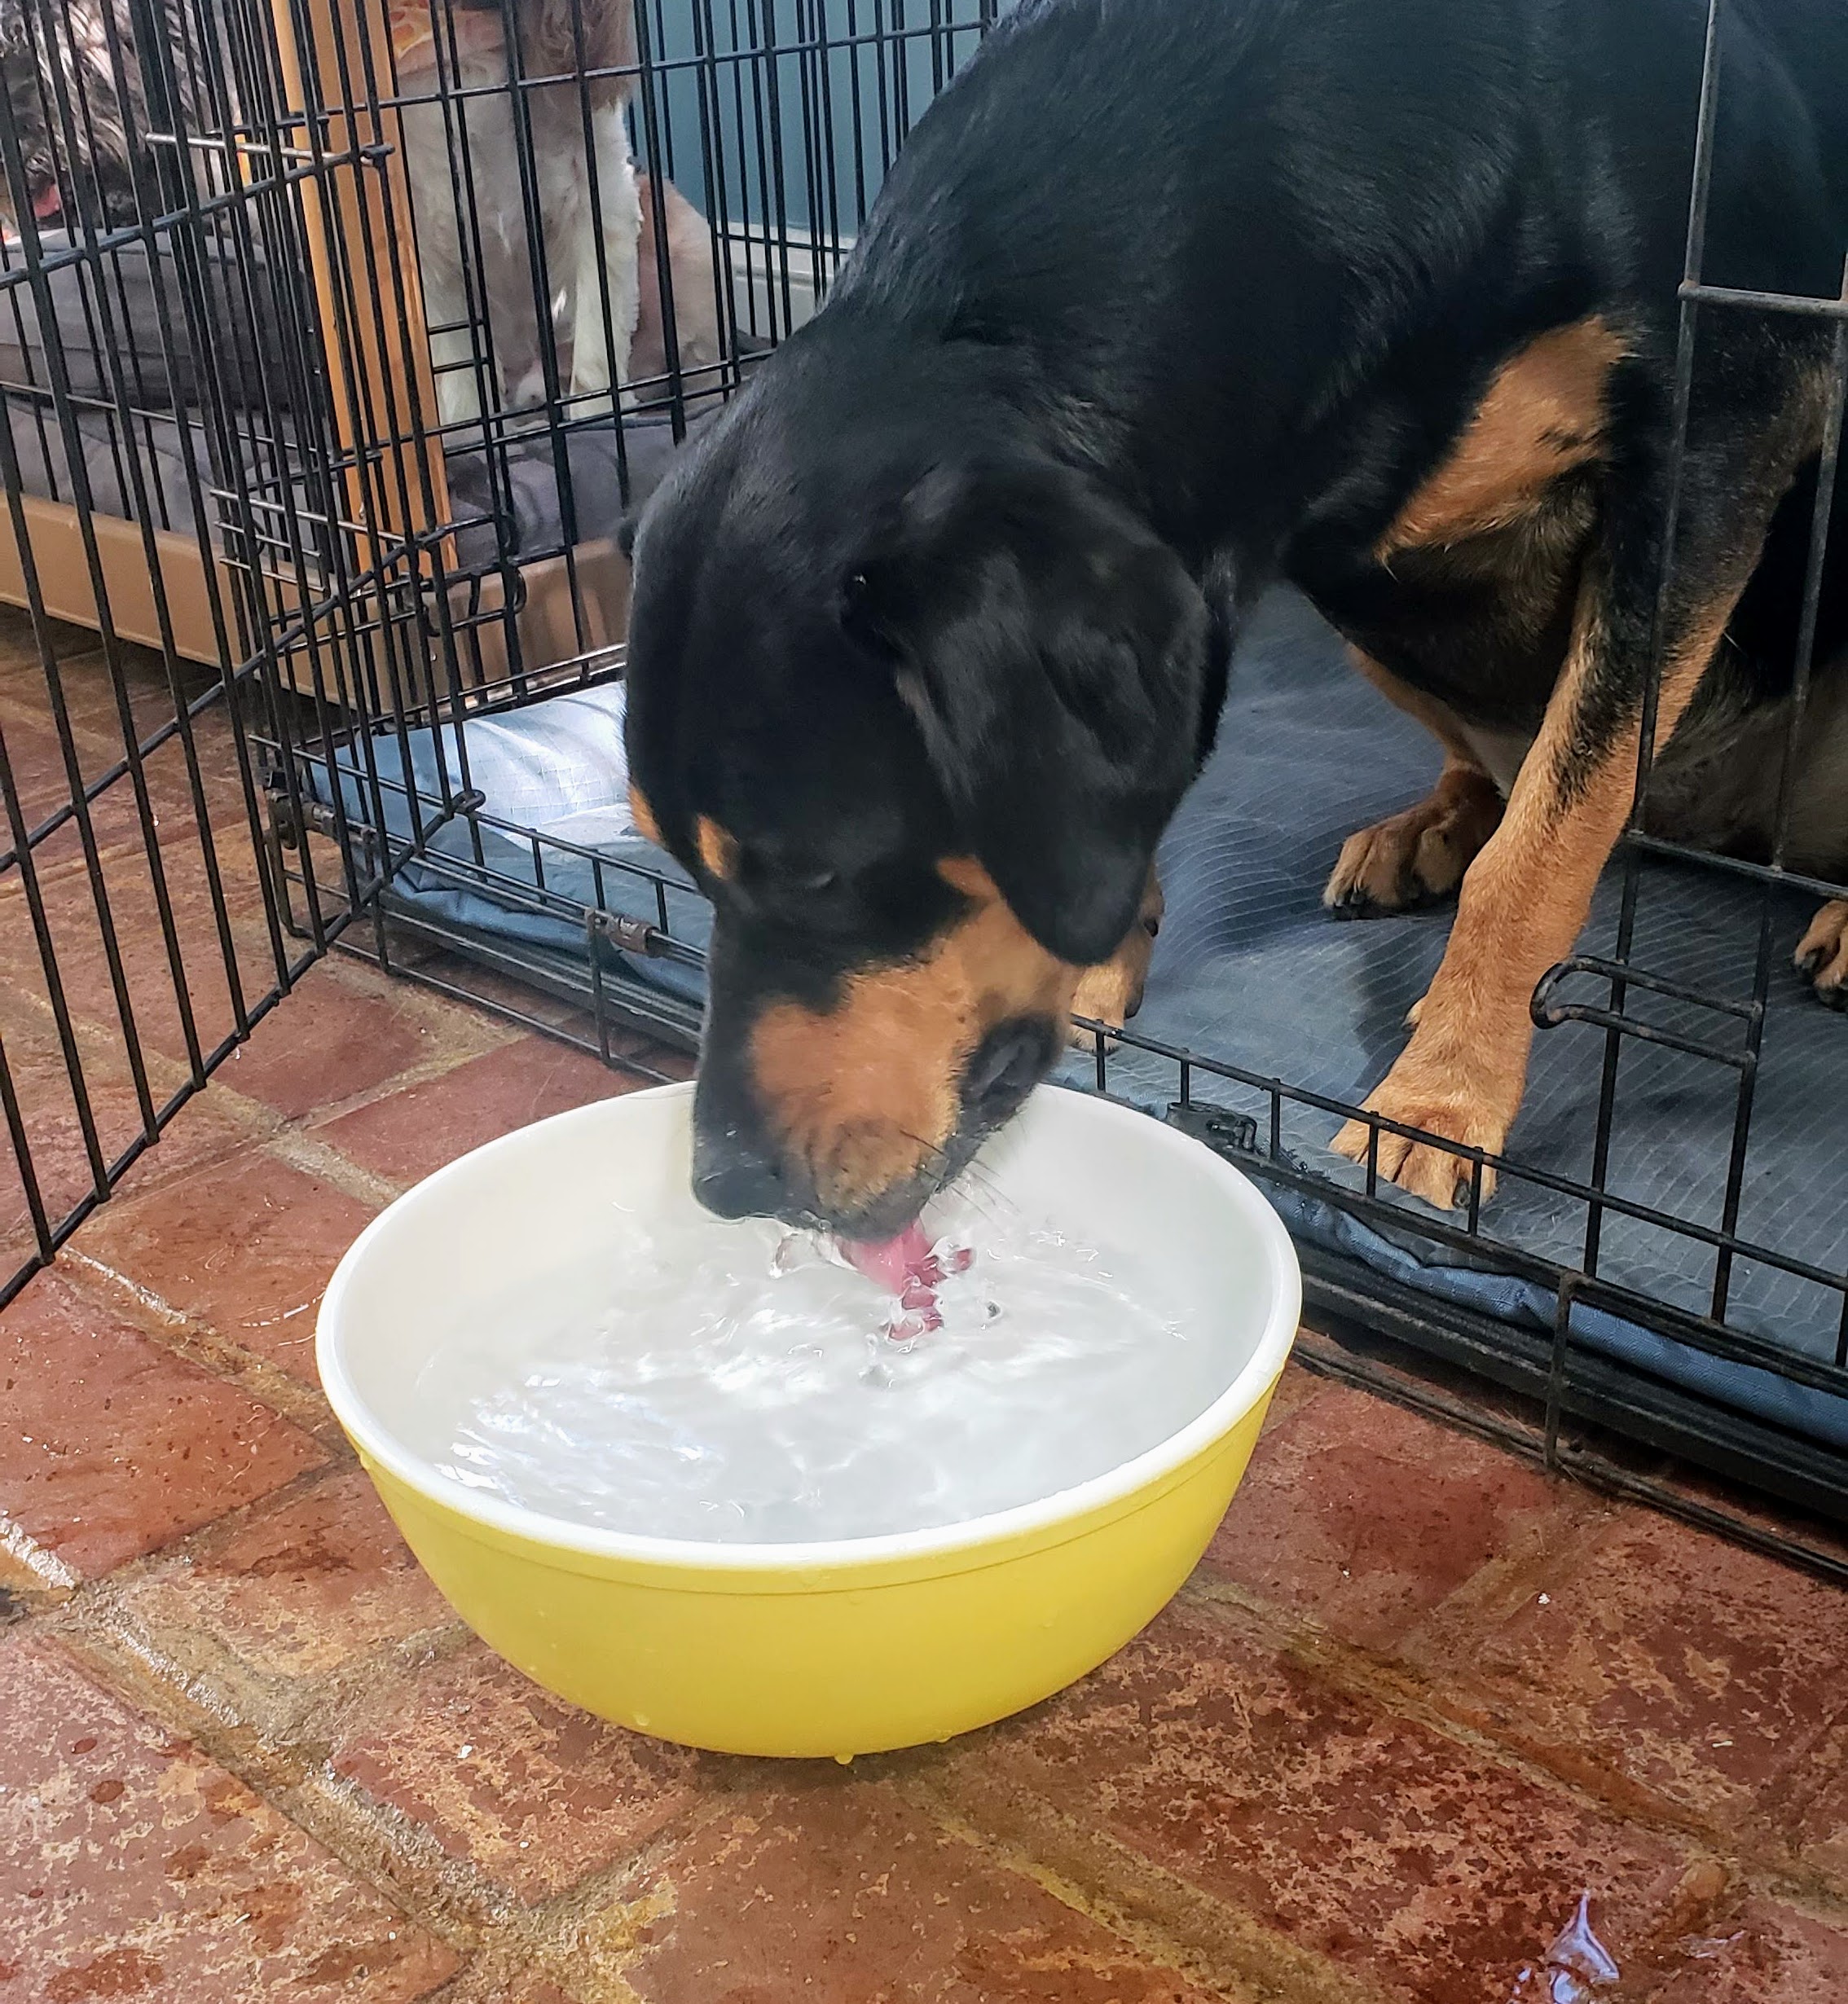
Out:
{"x": 1417, "y": 1699}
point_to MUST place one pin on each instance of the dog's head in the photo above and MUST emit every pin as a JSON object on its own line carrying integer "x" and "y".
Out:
{"x": 912, "y": 703}
{"x": 74, "y": 93}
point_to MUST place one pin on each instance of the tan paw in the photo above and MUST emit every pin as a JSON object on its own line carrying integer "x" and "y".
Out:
{"x": 1111, "y": 994}
{"x": 1445, "y": 1085}
{"x": 1821, "y": 954}
{"x": 1418, "y": 1167}
{"x": 1420, "y": 856}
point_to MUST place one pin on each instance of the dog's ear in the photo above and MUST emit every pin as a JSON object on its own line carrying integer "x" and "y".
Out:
{"x": 1054, "y": 653}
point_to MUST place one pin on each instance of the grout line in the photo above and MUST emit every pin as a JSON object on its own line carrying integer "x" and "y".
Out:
{"x": 301, "y": 1405}
{"x": 1399, "y": 1694}
{"x": 442, "y": 1894}
{"x": 46, "y": 1567}
{"x": 299, "y": 1150}
{"x": 1153, "y": 1946}
{"x": 1163, "y": 1917}
{"x": 144, "y": 1298}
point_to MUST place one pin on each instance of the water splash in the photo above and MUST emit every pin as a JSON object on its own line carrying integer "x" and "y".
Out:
{"x": 684, "y": 1379}
{"x": 1573, "y": 1969}
{"x": 1709, "y": 1947}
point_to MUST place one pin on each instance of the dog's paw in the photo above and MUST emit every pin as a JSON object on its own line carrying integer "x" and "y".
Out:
{"x": 1418, "y": 1167}
{"x": 1419, "y": 857}
{"x": 1821, "y": 954}
{"x": 1111, "y": 994}
{"x": 1436, "y": 1086}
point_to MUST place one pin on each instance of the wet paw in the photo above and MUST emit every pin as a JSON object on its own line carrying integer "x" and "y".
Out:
{"x": 1419, "y": 857}
{"x": 1821, "y": 954}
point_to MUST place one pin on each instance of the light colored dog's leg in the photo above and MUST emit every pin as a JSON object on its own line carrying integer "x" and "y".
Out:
{"x": 439, "y": 255}
{"x": 697, "y": 333}
{"x": 593, "y": 366}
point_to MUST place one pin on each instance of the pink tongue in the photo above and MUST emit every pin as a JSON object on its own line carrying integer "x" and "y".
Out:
{"x": 893, "y": 1262}
{"x": 48, "y": 203}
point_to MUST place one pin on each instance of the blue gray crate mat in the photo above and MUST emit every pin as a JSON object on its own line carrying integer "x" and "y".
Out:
{"x": 1250, "y": 970}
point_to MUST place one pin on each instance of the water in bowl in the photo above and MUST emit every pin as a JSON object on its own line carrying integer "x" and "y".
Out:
{"x": 741, "y": 1383}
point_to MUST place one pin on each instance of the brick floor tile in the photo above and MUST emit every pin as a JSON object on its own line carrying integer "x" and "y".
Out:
{"x": 92, "y": 704}
{"x": 19, "y": 645}
{"x": 339, "y": 1034}
{"x": 842, "y": 1892}
{"x": 74, "y": 923}
{"x": 60, "y": 1162}
{"x": 1817, "y": 1823}
{"x": 500, "y": 990}
{"x": 131, "y": 1865}
{"x": 409, "y": 1134}
{"x": 84, "y": 682}
{"x": 1366, "y": 1516}
{"x": 246, "y": 1250}
{"x": 1700, "y": 1672}
{"x": 535, "y": 1793}
{"x": 42, "y": 775}
{"x": 111, "y": 1446}
{"x": 1769, "y": 1953}
{"x": 1367, "y": 1839}
{"x": 299, "y": 1589}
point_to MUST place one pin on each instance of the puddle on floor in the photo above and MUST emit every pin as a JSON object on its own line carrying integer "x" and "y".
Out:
{"x": 1573, "y": 1970}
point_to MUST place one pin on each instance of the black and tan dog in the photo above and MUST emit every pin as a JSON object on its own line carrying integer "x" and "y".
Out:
{"x": 1165, "y": 299}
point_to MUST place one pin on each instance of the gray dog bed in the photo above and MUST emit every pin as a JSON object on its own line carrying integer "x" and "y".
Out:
{"x": 1250, "y": 970}
{"x": 125, "y": 308}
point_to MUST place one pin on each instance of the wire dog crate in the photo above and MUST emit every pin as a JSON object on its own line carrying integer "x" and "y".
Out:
{"x": 253, "y": 426}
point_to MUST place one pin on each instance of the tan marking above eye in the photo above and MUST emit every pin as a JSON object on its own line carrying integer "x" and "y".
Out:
{"x": 642, "y": 815}
{"x": 1541, "y": 416}
{"x": 865, "y": 1092}
{"x": 717, "y": 847}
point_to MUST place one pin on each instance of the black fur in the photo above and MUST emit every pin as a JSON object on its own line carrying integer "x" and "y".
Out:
{"x": 1022, "y": 606}
{"x": 82, "y": 100}
{"x": 1164, "y": 301}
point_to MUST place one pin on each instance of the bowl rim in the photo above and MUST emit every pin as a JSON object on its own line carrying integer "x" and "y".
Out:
{"x": 1124, "y": 1484}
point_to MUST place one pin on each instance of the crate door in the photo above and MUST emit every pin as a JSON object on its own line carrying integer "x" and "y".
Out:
{"x": 213, "y": 458}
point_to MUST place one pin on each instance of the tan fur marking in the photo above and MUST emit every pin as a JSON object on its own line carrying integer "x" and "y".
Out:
{"x": 1111, "y": 994}
{"x": 1822, "y": 952}
{"x": 1523, "y": 905}
{"x": 1421, "y": 853}
{"x": 1437, "y": 717}
{"x": 717, "y": 847}
{"x": 866, "y": 1092}
{"x": 1541, "y": 416}
{"x": 642, "y": 815}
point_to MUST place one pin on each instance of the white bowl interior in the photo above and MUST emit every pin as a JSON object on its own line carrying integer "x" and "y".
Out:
{"x": 540, "y": 1198}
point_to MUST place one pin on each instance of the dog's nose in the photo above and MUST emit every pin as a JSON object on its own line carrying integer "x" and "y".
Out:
{"x": 738, "y": 1185}
{"x": 1008, "y": 1064}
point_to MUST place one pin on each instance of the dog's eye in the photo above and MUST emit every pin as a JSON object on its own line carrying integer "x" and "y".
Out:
{"x": 813, "y": 881}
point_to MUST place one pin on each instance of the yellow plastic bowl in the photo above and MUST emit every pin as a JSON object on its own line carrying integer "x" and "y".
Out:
{"x": 856, "y": 1645}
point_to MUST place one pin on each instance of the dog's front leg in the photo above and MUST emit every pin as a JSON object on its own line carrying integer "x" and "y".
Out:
{"x": 1526, "y": 898}
{"x": 1111, "y": 994}
{"x": 607, "y": 279}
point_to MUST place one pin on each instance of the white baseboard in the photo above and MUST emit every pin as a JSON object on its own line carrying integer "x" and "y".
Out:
{"x": 773, "y": 286}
